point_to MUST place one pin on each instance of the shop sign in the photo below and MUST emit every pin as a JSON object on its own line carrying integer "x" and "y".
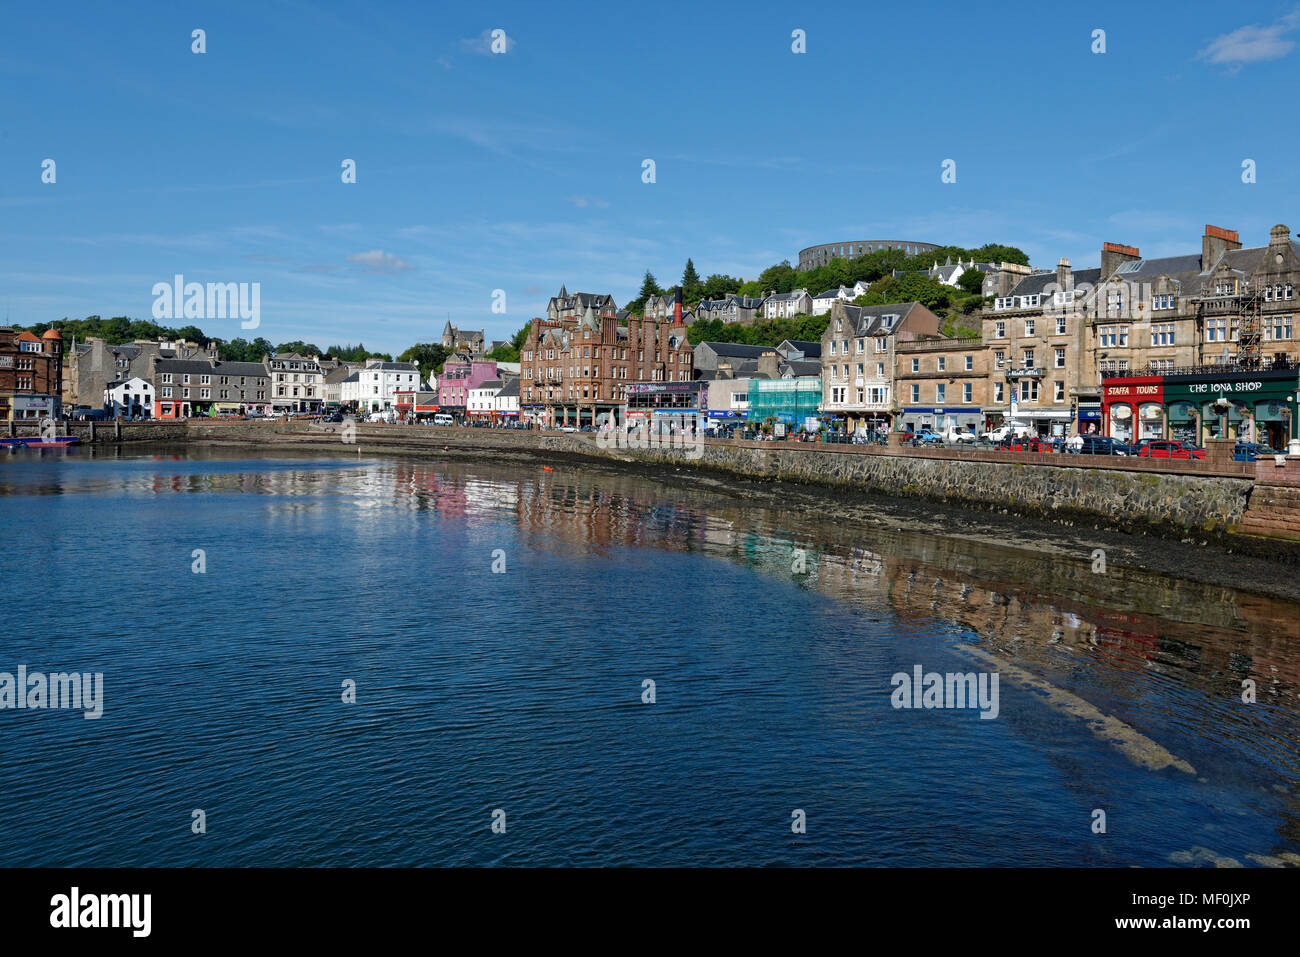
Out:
{"x": 1150, "y": 393}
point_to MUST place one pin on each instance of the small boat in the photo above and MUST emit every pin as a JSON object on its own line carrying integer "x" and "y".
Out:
{"x": 40, "y": 442}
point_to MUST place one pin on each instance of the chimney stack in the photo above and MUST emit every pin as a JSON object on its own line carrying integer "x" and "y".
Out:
{"x": 1114, "y": 255}
{"x": 768, "y": 367}
{"x": 1279, "y": 235}
{"x": 677, "y": 305}
{"x": 1215, "y": 243}
{"x": 1064, "y": 275}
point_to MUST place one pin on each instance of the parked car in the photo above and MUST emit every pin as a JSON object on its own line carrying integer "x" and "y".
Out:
{"x": 1004, "y": 432}
{"x": 955, "y": 436}
{"x": 1251, "y": 451}
{"x": 927, "y": 437}
{"x": 1103, "y": 445}
{"x": 568, "y": 428}
{"x": 443, "y": 418}
{"x": 1169, "y": 449}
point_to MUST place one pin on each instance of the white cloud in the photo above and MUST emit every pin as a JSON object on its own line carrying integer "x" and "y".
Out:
{"x": 379, "y": 261}
{"x": 582, "y": 202}
{"x": 1253, "y": 44}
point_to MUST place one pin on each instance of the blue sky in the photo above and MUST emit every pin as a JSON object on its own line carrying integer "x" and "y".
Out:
{"x": 522, "y": 170}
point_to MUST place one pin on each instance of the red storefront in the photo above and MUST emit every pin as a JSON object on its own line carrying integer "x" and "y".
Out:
{"x": 1133, "y": 408}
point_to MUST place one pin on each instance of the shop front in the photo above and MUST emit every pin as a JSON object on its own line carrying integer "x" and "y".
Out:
{"x": 1246, "y": 406}
{"x": 1124, "y": 403}
{"x": 35, "y": 406}
{"x": 1241, "y": 405}
{"x": 943, "y": 418}
{"x": 1089, "y": 418}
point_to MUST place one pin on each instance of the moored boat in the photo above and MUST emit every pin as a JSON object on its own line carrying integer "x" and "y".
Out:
{"x": 39, "y": 442}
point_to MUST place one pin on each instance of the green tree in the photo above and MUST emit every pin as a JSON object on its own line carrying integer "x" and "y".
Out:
{"x": 972, "y": 280}
{"x": 691, "y": 285}
{"x": 778, "y": 278}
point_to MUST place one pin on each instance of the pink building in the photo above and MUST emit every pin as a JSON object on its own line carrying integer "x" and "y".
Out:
{"x": 458, "y": 377}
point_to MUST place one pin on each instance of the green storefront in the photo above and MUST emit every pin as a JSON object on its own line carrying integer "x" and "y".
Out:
{"x": 1262, "y": 406}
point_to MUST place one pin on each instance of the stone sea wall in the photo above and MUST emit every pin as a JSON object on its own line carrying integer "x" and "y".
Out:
{"x": 1196, "y": 505}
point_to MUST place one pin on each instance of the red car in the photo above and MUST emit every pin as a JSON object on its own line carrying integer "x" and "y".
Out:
{"x": 1026, "y": 443}
{"x": 1161, "y": 449}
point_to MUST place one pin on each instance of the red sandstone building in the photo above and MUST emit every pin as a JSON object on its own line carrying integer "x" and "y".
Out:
{"x": 31, "y": 374}
{"x": 574, "y": 370}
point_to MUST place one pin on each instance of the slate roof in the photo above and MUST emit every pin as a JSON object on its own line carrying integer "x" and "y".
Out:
{"x": 510, "y": 389}
{"x": 871, "y": 320}
{"x": 1034, "y": 284}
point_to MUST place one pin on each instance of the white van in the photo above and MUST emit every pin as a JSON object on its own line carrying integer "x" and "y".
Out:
{"x": 442, "y": 418}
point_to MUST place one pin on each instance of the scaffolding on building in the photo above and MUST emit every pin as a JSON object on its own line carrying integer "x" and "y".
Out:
{"x": 1242, "y": 306}
{"x": 784, "y": 400}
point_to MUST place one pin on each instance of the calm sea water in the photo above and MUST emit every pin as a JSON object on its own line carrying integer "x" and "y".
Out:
{"x": 522, "y": 690}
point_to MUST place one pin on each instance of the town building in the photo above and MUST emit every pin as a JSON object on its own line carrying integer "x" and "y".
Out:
{"x": 858, "y": 361}
{"x": 94, "y": 363}
{"x": 1227, "y": 305}
{"x": 564, "y": 306}
{"x": 507, "y": 401}
{"x": 463, "y": 340}
{"x": 460, "y": 375}
{"x": 296, "y": 383}
{"x": 31, "y": 374}
{"x": 382, "y": 386}
{"x": 482, "y": 403}
{"x": 185, "y": 388}
{"x": 822, "y": 302}
{"x": 942, "y": 383}
{"x": 1038, "y": 364}
{"x": 785, "y": 305}
{"x": 575, "y": 371}
{"x": 130, "y": 398}
{"x": 733, "y": 308}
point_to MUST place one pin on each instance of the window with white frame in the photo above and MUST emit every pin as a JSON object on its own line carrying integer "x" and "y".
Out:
{"x": 1058, "y": 357}
{"x": 916, "y": 393}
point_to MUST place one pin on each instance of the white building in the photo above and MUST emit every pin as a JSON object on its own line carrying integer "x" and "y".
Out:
{"x": 296, "y": 383}
{"x": 507, "y": 400}
{"x": 482, "y": 400}
{"x": 783, "y": 305}
{"x": 128, "y": 398}
{"x": 823, "y": 301}
{"x": 376, "y": 387}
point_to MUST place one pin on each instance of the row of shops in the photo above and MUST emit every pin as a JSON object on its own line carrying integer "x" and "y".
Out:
{"x": 26, "y": 406}
{"x": 1246, "y": 406}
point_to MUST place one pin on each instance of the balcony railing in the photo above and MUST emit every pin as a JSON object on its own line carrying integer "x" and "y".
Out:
{"x": 1275, "y": 363}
